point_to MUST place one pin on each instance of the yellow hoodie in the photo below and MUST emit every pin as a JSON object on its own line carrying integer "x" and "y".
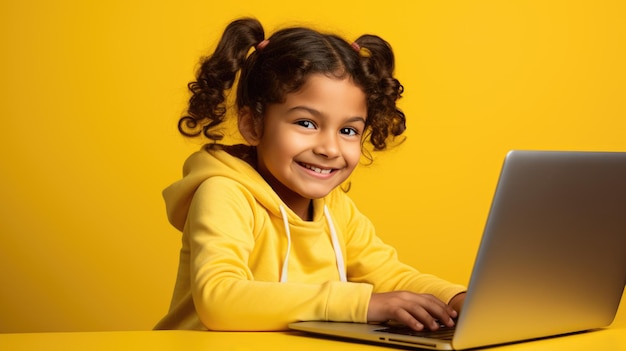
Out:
{"x": 249, "y": 263}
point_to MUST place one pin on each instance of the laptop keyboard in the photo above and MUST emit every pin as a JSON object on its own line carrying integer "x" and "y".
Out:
{"x": 442, "y": 333}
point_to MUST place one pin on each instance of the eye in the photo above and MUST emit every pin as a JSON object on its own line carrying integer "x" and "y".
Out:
{"x": 306, "y": 124}
{"x": 349, "y": 131}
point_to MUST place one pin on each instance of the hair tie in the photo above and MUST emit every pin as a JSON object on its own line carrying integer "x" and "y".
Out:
{"x": 356, "y": 46}
{"x": 261, "y": 45}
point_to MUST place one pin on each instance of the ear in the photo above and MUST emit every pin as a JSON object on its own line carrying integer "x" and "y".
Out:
{"x": 249, "y": 126}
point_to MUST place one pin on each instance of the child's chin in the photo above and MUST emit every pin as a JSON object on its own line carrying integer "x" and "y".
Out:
{"x": 317, "y": 194}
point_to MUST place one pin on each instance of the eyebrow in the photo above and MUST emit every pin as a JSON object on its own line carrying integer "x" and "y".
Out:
{"x": 318, "y": 113}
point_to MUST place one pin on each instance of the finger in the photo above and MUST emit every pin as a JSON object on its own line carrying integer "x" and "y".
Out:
{"x": 432, "y": 312}
{"x": 405, "y": 317}
{"x": 443, "y": 314}
{"x": 423, "y": 316}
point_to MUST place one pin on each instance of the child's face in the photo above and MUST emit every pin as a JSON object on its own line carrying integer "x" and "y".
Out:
{"x": 311, "y": 143}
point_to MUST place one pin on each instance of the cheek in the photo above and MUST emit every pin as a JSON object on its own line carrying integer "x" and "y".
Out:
{"x": 352, "y": 154}
{"x": 279, "y": 146}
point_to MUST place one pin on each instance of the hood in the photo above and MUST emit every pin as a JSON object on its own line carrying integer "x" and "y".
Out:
{"x": 229, "y": 161}
{"x": 216, "y": 161}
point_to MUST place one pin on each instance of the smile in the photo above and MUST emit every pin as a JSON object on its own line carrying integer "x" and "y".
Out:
{"x": 317, "y": 169}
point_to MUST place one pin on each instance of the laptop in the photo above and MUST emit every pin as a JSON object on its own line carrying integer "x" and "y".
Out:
{"x": 551, "y": 261}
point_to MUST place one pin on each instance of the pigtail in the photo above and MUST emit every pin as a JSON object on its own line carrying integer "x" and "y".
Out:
{"x": 216, "y": 76}
{"x": 385, "y": 119}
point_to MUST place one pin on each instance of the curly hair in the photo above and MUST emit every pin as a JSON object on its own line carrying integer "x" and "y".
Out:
{"x": 281, "y": 65}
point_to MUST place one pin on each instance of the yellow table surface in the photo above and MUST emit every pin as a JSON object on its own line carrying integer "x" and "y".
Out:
{"x": 612, "y": 338}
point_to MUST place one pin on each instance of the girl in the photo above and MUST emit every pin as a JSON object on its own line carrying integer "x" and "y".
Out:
{"x": 269, "y": 236}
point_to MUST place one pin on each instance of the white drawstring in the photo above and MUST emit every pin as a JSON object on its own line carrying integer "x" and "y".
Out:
{"x": 285, "y": 272}
{"x": 338, "y": 255}
{"x": 335, "y": 240}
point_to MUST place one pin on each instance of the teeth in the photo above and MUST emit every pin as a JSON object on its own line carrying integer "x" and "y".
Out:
{"x": 318, "y": 170}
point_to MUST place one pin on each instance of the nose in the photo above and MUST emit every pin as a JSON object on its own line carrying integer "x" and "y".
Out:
{"x": 327, "y": 145}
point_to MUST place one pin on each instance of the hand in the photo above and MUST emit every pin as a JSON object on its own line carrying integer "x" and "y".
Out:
{"x": 417, "y": 311}
{"x": 457, "y": 302}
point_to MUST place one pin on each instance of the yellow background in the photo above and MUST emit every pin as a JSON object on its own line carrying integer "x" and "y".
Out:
{"x": 91, "y": 93}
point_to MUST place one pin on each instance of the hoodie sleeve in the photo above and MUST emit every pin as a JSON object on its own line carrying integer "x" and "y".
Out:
{"x": 370, "y": 260}
{"x": 225, "y": 293}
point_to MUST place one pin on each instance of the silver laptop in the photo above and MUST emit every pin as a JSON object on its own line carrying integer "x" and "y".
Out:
{"x": 552, "y": 259}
